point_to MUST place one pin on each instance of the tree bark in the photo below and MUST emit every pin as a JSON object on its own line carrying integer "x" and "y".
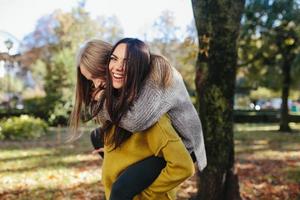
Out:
{"x": 284, "y": 112}
{"x": 218, "y": 24}
{"x": 288, "y": 52}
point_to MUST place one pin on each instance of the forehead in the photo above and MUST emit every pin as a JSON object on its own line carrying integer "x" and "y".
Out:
{"x": 120, "y": 50}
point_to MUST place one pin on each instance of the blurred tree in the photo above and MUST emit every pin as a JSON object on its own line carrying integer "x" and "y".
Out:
{"x": 218, "y": 24}
{"x": 111, "y": 28}
{"x": 15, "y": 85}
{"x": 269, "y": 47}
{"x": 39, "y": 71}
{"x": 165, "y": 39}
{"x": 181, "y": 53}
{"x": 165, "y": 28}
{"x": 186, "y": 59}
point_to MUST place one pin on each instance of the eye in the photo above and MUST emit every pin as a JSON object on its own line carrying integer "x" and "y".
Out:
{"x": 113, "y": 58}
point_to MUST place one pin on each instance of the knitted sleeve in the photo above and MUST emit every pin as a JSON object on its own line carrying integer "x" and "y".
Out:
{"x": 146, "y": 109}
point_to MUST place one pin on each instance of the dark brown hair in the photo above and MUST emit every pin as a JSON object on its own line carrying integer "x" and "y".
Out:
{"x": 118, "y": 102}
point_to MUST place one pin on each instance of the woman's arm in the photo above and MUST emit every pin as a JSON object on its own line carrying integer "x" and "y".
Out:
{"x": 179, "y": 164}
{"x": 154, "y": 101}
{"x": 179, "y": 167}
{"x": 146, "y": 109}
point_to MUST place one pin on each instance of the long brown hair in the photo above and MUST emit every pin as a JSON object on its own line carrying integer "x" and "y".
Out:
{"x": 161, "y": 71}
{"x": 137, "y": 68}
{"x": 94, "y": 56}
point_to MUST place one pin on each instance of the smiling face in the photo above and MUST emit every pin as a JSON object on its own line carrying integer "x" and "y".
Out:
{"x": 117, "y": 66}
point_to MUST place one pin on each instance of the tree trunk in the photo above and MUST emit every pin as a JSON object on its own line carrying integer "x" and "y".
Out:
{"x": 218, "y": 24}
{"x": 284, "y": 112}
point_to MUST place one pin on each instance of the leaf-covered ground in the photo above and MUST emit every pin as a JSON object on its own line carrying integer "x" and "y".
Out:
{"x": 267, "y": 162}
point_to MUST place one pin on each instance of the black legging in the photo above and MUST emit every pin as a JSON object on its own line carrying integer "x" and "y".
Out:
{"x": 136, "y": 178}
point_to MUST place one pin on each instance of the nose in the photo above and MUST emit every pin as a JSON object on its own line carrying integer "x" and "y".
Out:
{"x": 120, "y": 65}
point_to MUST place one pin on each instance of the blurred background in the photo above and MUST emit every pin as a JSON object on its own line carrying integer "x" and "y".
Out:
{"x": 38, "y": 43}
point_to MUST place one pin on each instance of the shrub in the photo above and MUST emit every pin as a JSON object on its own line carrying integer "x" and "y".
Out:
{"x": 37, "y": 107}
{"x": 1, "y": 135}
{"x": 54, "y": 111}
{"x": 23, "y": 127}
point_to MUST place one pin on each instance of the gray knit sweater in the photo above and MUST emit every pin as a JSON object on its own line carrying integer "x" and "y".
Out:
{"x": 154, "y": 101}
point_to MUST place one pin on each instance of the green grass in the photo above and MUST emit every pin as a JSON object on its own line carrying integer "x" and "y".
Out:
{"x": 49, "y": 169}
{"x": 267, "y": 162}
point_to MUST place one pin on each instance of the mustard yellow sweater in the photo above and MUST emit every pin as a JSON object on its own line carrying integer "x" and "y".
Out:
{"x": 159, "y": 140}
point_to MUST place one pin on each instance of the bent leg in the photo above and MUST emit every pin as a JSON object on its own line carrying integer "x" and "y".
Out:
{"x": 136, "y": 178}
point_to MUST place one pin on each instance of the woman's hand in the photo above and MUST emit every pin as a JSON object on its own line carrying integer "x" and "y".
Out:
{"x": 97, "y": 94}
{"x": 98, "y": 150}
{"x": 99, "y": 90}
{"x": 102, "y": 84}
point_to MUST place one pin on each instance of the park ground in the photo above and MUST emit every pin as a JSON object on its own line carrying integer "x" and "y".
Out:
{"x": 267, "y": 163}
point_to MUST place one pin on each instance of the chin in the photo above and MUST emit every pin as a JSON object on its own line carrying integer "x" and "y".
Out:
{"x": 117, "y": 86}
